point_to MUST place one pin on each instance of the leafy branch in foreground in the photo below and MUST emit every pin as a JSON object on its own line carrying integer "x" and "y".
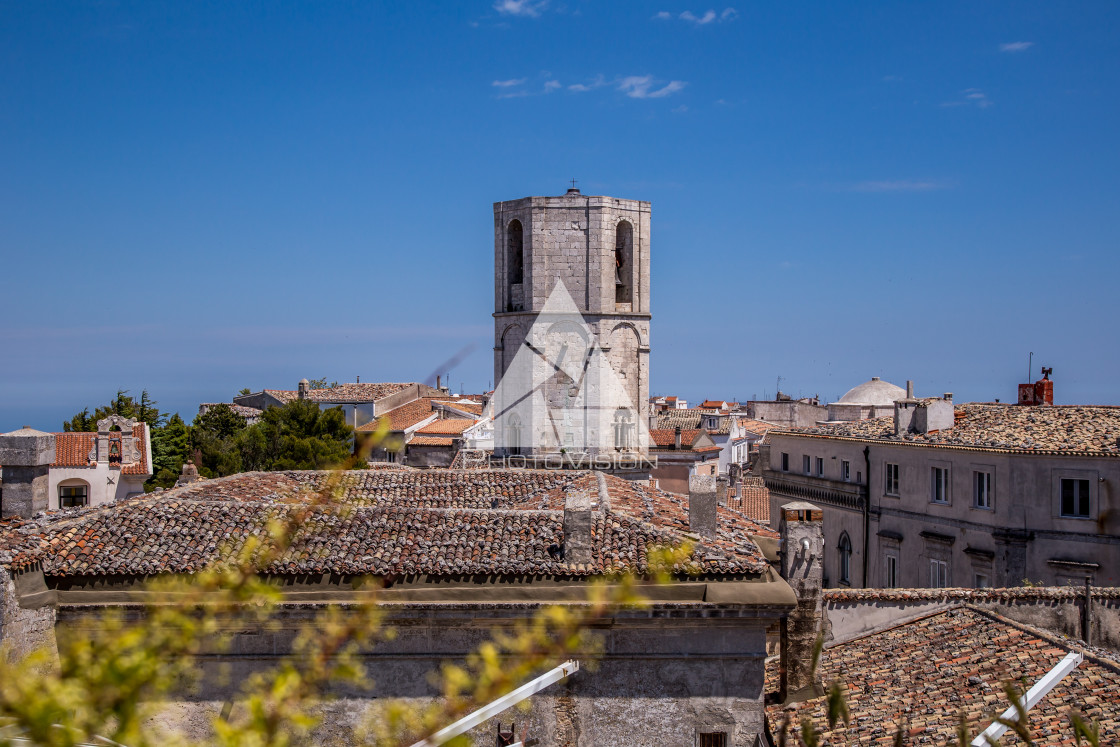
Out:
{"x": 107, "y": 678}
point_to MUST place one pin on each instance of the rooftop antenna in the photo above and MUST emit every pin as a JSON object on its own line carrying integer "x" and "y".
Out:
{"x": 779, "y": 387}
{"x": 1030, "y": 366}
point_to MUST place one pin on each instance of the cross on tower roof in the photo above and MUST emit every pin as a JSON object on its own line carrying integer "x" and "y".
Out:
{"x": 573, "y": 183}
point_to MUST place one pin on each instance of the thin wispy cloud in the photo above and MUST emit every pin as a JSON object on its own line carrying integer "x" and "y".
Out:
{"x": 508, "y": 83}
{"x": 701, "y": 19}
{"x": 1016, "y": 46}
{"x": 552, "y": 85}
{"x": 598, "y": 82}
{"x": 644, "y": 87}
{"x": 971, "y": 97}
{"x": 528, "y": 8}
{"x": 900, "y": 185}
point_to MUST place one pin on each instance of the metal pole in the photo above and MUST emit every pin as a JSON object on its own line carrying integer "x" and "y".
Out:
{"x": 497, "y": 706}
{"x": 992, "y": 734}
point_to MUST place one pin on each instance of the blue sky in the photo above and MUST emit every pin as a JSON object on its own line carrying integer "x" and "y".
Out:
{"x": 196, "y": 198}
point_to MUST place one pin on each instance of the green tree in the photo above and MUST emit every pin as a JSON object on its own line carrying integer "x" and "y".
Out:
{"x": 171, "y": 448}
{"x": 213, "y": 439}
{"x": 298, "y": 435}
{"x": 145, "y": 410}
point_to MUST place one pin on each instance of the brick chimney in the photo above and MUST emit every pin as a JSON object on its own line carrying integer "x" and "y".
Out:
{"x": 802, "y": 541}
{"x": 702, "y": 502}
{"x": 577, "y": 527}
{"x": 26, "y": 456}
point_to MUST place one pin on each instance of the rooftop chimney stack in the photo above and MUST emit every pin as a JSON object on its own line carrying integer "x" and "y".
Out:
{"x": 26, "y": 455}
{"x": 577, "y": 527}
{"x": 677, "y": 438}
{"x": 304, "y": 388}
{"x": 1040, "y": 392}
{"x": 802, "y": 536}
{"x": 703, "y": 499}
{"x": 909, "y": 389}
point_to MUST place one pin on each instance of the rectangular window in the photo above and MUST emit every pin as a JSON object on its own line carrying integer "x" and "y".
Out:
{"x": 713, "y": 739}
{"x": 939, "y": 485}
{"x": 982, "y": 489}
{"x": 891, "y": 480}
{"x": 891, "y": 580}
{"x": 1075, "y": 498}
{"x": 859, "y": 477}
{"x": 845, "y": 470}
{"x": 806, "y": 462}
{"x": 820, "y": 466}
{"x": 785, "y": 462}
{"x": 70, "y": 496}
{"x": 938, "y": 574}
{"x": 980, "y": 581}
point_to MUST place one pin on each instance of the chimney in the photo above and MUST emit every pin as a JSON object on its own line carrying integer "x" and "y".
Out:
{"x": 802, "y": 542}
{"x": 948, "y": 396}
{"x": 677, "y": 438}
{"x": 722, "y": 482}
{"x": 909, "y": 389}
{"x": 304, "y": 388}
{"x": 437, "y": 381}
{"x": 26, "y": 455}
{"x": 702, "y": 502}
{"x": 577, "y": 527}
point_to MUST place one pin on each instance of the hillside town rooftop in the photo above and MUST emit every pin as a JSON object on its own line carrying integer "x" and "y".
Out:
{"x": 385, "y": 522}
{"x": 1052, "y": 429}
{"x": 924, "y": 674}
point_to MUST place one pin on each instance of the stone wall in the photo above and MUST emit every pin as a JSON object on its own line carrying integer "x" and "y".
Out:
{"x": 667, "y": 674}
{"x": 857, "y": 612}
{"x": 24, "y": 630}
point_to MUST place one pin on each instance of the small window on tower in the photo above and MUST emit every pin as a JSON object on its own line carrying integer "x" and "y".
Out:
{"x": 713, "y": 739}
{"x": 624, "y": 262}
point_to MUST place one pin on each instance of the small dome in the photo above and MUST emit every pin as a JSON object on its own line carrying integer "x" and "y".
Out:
{"x": 303, "y": 381}
{"x": 874, "y": 392}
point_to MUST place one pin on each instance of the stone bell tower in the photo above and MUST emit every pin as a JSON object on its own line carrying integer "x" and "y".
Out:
{"x": 597, "y": 249}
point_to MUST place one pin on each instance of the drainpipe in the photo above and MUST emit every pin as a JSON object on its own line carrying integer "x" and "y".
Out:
{"x": 866, "y": 510}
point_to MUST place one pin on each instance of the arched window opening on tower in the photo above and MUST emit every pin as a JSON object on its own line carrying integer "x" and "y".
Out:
{"x": 515, "y": 253}
{"x": 623, "y": 430}
{"x": 845, "y": 559}
{"x": 624, "y": 263}
{"x": 514, "y": 438}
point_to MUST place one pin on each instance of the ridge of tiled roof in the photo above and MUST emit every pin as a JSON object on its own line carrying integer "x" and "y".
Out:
{"x": 420, "y": 521}
{"x": 284, "y": 395}
{"x": 923, "y": 673}
{"x": 355, "y": 392}
{"x": 1090, "y": 430}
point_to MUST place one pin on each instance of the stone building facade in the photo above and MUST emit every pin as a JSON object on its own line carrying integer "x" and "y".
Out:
{"x": 571, "y": 282}
{"x": 975, "y": 495}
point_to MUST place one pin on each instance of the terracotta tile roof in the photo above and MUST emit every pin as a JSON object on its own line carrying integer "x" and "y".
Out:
{"x": 355, "y": 392}
{"x": 753, "y": 499}
{"x": 1052, "y": 429}
{"x": 755, "y": 426}
{"x": 470, "y": 407}
{"x": 924, "y": 673}
{"x": 72, "y": 449}
{"x": 688, "y": 418}
{"x": 666, "y": 437}
{"x": 384, "y": 521}
{"x": 403, "y": 417}
{"x": 452, "y": 426}
{"x": 431, "y": 441}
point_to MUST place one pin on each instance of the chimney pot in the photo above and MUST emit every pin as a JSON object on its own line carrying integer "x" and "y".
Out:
{"x": 577, "y": 527}
{"x": 802, "y": 541}
{"x": 26, "y": 455}
{"x": 948, "y": 396}
{"x": 677, "y": 438}
{"x": 909, "y": 389}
